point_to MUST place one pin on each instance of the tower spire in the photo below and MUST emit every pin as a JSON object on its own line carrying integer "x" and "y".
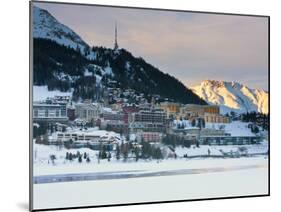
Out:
{"x": 115, "y": 43}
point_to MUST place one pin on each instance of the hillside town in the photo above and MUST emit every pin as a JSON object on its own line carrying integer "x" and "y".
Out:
{"x": 107, "y": 125}
{"x": 105, "y": 115}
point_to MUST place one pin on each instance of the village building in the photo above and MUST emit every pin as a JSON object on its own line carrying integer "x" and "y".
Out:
{"x": 49, "y": 112}
{"x": 210, "y": 113}
{"x": 148, "y": 119}
{"x": 215, "y": 118}
{"x": 90, "y": 137}
{"x": 88, "y": 111}
{"x": 113, "y": 121}
{"x": 171, "y": 108}
{"x": 149, "y": 136}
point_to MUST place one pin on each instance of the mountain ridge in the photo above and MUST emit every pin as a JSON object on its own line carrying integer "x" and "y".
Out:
{"x": 64, "y": 67}
{"x": 232, "y": 96}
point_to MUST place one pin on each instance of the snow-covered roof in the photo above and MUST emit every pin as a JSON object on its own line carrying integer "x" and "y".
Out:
{"x": 41, "y": 93}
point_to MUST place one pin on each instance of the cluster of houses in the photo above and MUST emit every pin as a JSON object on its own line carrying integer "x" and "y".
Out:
{"x": 93, "y": 122}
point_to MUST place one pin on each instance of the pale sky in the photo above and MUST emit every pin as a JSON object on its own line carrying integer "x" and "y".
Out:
{"x": 190, "y": 46}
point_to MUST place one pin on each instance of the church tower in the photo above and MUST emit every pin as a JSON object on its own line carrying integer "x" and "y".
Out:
{"x": 115, "y": 43}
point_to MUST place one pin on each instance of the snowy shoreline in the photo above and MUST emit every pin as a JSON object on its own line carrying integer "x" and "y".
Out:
{"x": 153, "y": 165}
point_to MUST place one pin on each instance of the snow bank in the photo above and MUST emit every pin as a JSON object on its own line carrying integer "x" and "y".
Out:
{"x": 42, "y": 154}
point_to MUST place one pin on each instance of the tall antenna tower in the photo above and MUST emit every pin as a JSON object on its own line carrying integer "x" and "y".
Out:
{"x": 115, "y": 43}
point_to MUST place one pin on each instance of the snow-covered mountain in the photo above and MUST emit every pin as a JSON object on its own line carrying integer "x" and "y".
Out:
{"x": 84, "y": 70}
{"x": 47, "y": 27}
{"x": 232, "y": 96}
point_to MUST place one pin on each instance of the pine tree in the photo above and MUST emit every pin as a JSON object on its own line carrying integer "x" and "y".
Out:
{"x": 78, "y": 154}
{"x": 80, "y": 159}
{"x": 125, "y": 151}
{"x": 117, "y": 152}
{"x": 146, "y": 150}
{"x": 103, "y": 153}
{"x": 53, "y": 158}
{"x": 137, "y": 153}
{"x": 99, "y": 156}
{"x": 70, "y": 157}
{"x": 158, "y": 153}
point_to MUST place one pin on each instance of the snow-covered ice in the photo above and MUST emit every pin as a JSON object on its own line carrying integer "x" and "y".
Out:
{"x": 177, "y": 187}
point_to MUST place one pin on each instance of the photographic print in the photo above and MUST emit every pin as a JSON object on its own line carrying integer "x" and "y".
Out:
{"x": 135, "y": 105}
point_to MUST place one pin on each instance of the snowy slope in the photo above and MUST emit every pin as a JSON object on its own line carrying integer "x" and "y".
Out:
{"x": 47, "y": 27}
{"x": 232, "y": 96}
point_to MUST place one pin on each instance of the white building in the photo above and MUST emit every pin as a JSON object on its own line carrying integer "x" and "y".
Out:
{"x": 49, "y": 112}
{"x": 88, "y": 111}
{"x": 90, "y": 135}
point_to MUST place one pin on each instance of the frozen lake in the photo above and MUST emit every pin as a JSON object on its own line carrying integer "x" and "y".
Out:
{"x": 202, "y": 179}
